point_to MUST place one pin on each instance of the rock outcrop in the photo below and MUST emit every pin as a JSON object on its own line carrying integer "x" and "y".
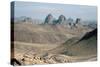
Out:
{"x": 61, "y": 19}
{"x": 48, "y": 19}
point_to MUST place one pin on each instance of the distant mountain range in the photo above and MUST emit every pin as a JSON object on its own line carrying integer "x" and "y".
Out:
{"x": 61, "y": 20}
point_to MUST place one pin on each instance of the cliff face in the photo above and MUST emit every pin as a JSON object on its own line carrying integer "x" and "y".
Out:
{"x": 61, "y": 19}
{"x": 48, "y": 19}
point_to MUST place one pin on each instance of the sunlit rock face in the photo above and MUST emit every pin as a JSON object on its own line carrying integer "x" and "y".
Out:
{"x": 78, "y": 20}
{"x": 48, "y": 19}
{"x": 61, "y": 19}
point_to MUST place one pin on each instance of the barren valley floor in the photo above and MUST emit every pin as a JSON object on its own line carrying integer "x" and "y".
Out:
{"x": 49, "y": 44}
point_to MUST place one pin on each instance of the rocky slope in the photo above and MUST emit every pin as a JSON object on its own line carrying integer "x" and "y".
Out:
{"x": 41, "y": 33}
{"x": 87, "y": 45}
{"x": 47, "y": 43}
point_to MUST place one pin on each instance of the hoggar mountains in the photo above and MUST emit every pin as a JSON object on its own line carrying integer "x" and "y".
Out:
{"x": 61, "y": 40}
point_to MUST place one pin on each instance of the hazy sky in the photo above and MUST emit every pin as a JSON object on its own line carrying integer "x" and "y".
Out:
{"x": 41, "y": 10}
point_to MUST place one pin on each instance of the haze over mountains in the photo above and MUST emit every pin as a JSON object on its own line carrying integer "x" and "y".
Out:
{"x": 49, "y": 19}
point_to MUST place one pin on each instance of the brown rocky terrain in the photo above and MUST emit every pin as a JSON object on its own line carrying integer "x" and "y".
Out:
{"x": 48, "y": 44}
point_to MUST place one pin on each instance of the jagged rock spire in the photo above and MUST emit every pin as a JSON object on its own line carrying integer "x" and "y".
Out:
{"x": 78, "y": 20}
{"x": 61, "y": 19}
{"x": 48, "y": 19}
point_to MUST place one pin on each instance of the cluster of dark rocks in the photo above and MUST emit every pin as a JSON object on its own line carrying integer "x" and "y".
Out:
{"x": 50, "y": 19}
{"x": 61, "y": 20}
